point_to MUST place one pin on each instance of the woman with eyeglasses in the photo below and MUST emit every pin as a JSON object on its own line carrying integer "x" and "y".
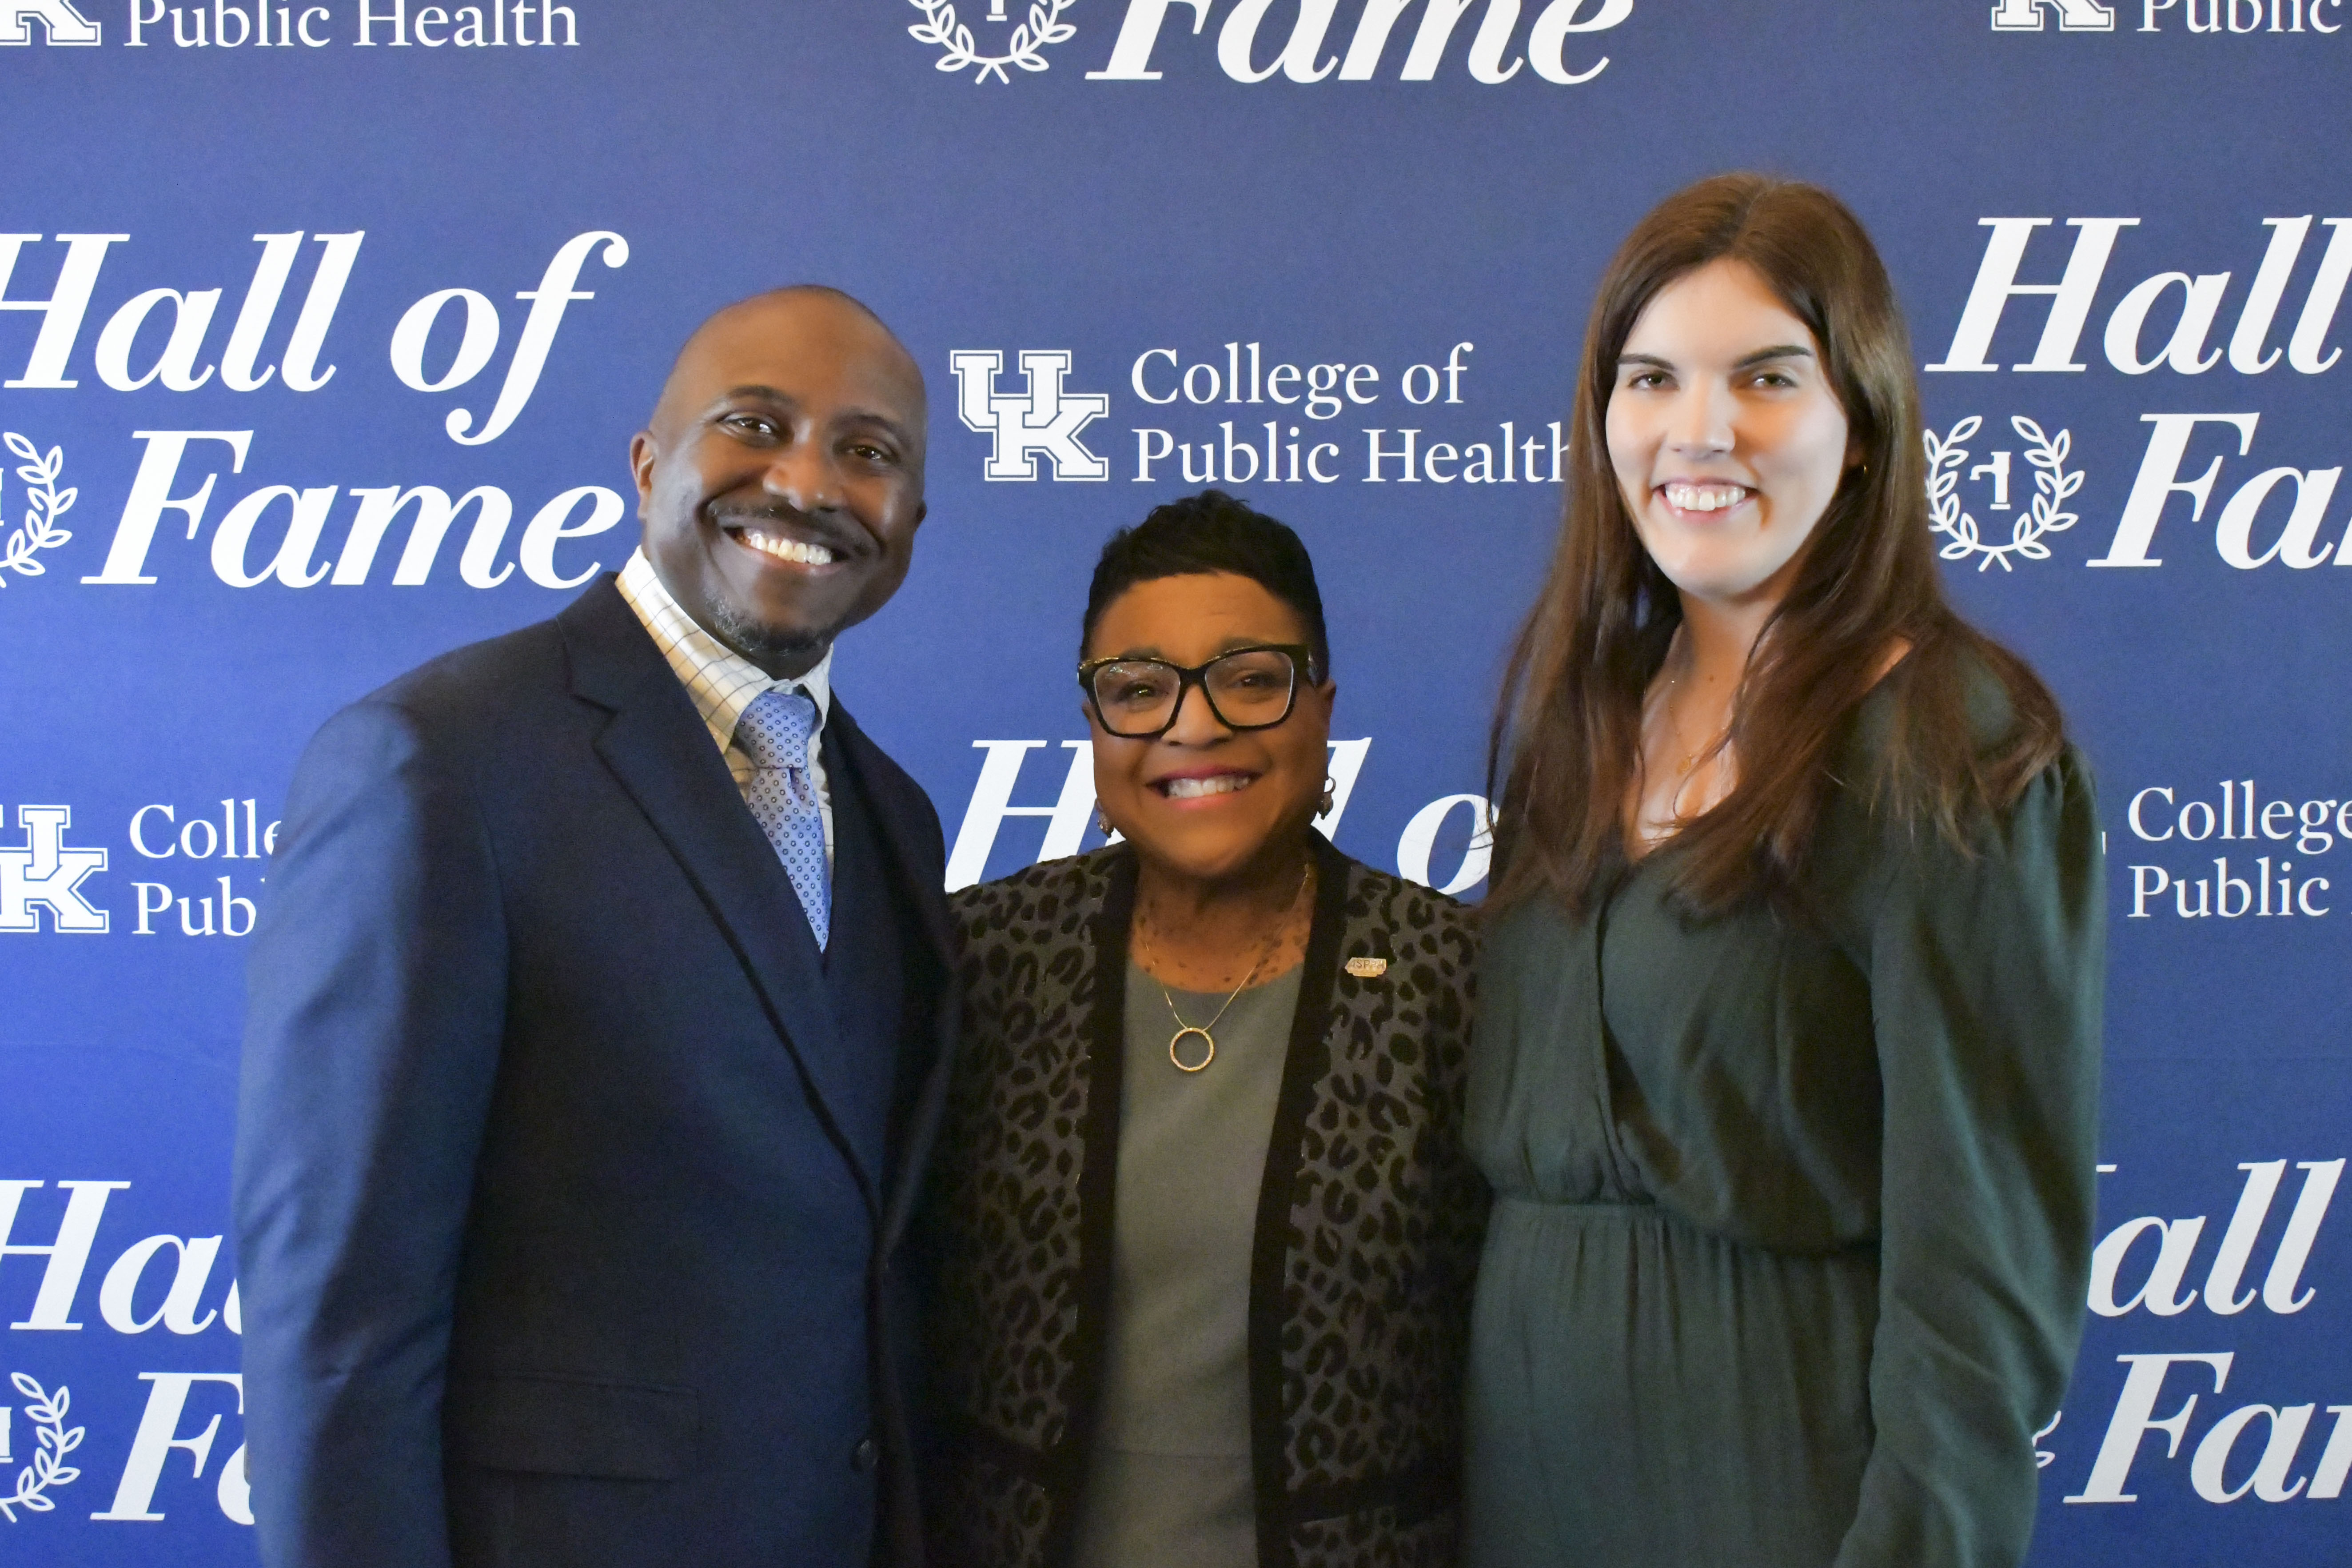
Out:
{"x": 1207, "y": 1224}
{"x": 1787, "y": 1076}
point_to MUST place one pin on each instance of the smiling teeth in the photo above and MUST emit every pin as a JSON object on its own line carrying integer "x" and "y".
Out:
{"x": 1705, "y": 497}
{"x": 788, "y": 549}
{"x": 1193, "y": 789}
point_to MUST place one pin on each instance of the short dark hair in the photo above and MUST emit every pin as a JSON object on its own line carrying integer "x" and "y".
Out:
{"x": 1211, "y": 531}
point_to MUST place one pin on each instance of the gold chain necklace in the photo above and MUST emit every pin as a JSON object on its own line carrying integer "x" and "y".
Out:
{"x": 1673, "y": 725}
{"x": 1176, "y": 1040}
{"x": 1674, "y": 729}
{"x": 1691, "y": 754}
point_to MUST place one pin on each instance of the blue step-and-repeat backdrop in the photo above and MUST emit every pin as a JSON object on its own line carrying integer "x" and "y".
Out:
{"x": 323, "y": 329}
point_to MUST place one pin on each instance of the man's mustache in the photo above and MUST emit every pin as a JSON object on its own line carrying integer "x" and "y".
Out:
{"x": 841, "y": 538}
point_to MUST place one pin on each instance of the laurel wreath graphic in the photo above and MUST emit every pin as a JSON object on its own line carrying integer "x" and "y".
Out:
{"x": 49, "y": 1467}
{"x": 2052, "y": 485}
{"x": 939, "y": 27}
{"x": 39, "y": 531}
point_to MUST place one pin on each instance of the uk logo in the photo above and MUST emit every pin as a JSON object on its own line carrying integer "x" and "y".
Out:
{"x": 44, "y": 873}
{"x": 60, "y": 23}
{"x": 1045, "y": 418}
{"x": 2073, "y": 16}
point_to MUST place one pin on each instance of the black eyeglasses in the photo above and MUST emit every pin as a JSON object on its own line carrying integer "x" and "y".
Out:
{"x": 1248, "y": 688}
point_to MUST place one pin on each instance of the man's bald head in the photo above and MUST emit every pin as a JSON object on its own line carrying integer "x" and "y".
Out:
{"x": 779, "y": 479}
{"x": 795, "y": 305}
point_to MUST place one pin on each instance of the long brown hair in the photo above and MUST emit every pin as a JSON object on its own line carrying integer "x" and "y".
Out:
{"x": 1566, "y": 745}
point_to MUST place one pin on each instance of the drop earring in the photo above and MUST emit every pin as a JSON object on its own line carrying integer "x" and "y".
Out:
{"x": 1102, "y": 821}
{"x": 1324, "y": 804}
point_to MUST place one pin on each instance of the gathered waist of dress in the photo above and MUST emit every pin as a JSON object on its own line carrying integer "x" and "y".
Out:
{"x": 1598, "y": 1206}
{"x": 1533, "y": 1215}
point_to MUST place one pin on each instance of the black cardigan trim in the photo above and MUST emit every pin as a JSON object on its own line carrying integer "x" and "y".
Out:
{"x": 1098, "y": 1202}
{"x": 1302, "y": 1068}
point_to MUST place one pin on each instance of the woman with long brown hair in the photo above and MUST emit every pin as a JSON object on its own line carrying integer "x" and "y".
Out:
{"x": 1786, "y": 1077}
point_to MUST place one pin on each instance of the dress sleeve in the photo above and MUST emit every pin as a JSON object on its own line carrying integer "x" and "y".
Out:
{"x": 1987, "y": 973}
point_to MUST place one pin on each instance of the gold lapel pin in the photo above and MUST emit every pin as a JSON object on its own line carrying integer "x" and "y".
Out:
{"x": 1368, "y": 968}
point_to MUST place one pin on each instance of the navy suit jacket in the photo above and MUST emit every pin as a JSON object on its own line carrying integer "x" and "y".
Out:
{"x": 550, "y": 1249}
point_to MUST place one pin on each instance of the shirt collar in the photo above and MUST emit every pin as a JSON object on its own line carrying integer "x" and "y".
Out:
{"x": 722, "y": 683}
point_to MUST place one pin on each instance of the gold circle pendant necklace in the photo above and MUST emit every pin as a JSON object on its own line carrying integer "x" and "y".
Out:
{"x": 1208, "y": 1040}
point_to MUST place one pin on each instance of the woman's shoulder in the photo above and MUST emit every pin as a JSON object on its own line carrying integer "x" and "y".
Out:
{"x": 2003, "y": 714}
{"x": 1049, "y": 898}
{"x": 1389, "y": 917}
{"x": 1871, "y": 834}
{"x": 1991, "y": 709}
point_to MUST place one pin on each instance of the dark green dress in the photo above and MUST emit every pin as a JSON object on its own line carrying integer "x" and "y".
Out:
{"x": 1792, "y": 1219}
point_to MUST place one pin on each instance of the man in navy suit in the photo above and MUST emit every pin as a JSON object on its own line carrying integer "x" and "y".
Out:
{"x": 599, "y": 1019}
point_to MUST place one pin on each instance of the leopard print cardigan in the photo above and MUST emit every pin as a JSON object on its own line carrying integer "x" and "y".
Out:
{"x": 1369, "y": 1224}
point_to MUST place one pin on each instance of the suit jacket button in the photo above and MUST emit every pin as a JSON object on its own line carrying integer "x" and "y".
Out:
{"x": 864, "y": 1456}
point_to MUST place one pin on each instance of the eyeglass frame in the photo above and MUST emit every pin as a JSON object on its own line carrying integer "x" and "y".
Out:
{"x": 1302, "y": 662}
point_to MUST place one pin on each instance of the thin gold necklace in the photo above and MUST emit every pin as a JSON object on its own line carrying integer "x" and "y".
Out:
{"x": 1176, "y": 1040}
{"x": 1691, "y": 754}
{"x": 1675, "y": 729}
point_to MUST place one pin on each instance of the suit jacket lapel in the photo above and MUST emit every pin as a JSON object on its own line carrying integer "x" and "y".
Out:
{"x": 921, "y": 872}
{"x": 912, "y": 859}
{"x": 658, "y": 748}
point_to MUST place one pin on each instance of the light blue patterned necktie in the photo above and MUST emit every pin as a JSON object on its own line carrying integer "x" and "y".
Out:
{"x": 774, "y": 733}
